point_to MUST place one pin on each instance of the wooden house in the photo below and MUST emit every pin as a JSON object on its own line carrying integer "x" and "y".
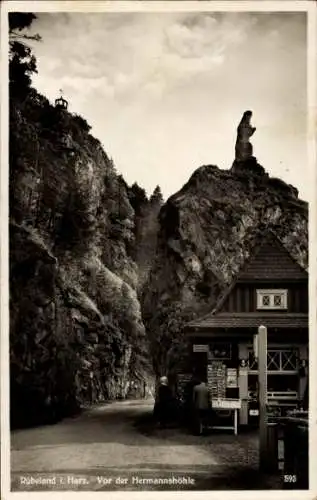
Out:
{"x": 270, "y": 290}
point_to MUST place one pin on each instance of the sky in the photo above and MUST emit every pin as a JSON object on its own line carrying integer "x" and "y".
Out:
{"x": 164, "y": 92}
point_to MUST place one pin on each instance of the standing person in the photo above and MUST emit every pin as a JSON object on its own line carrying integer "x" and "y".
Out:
{"x": 164, "y": 402}
{"x": 201, "y": 405}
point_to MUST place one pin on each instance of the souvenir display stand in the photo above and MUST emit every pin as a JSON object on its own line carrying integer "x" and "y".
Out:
{"x": 222, "y": 379}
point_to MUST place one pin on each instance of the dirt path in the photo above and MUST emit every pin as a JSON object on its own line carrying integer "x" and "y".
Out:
{"x": 117, "y": 446}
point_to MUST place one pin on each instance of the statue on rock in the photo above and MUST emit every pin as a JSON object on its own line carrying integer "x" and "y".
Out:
{"x": 244, "y": 149}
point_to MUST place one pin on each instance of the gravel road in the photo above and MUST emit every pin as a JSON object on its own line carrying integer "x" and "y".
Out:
{"x": 117, "y": 446}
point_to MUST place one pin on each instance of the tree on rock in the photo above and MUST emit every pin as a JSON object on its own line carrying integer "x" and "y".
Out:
{"x": 157, "y": 196}
{"x": 20, "y": 20}
{"x": 137, "y": 197}
{"x": 22, "y": 63}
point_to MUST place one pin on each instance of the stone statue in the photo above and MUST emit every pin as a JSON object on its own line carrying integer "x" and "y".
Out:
{"x": 245, "y": 130}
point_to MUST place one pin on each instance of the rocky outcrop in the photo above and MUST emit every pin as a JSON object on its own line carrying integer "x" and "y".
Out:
{"x": 76, "y": 332}
{"x": 146, "y": 236}
{"x": 207, "y": 231}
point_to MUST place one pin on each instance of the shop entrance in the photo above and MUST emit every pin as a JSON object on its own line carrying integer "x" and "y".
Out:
{"x": 200, "y": 366}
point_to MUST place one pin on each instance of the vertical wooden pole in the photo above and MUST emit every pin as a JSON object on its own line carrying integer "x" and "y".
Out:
{"x": 235, "y": 417}
{"x": 262, "y": 364}
{"x": 243, "y": 386}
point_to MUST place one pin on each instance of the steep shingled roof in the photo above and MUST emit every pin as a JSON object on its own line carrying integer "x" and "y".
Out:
{"x": 272, "y": 260}
{"x": 269, "y": 262}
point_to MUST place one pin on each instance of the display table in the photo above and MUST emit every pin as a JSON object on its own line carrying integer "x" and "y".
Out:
{"x": 227, "y": 404}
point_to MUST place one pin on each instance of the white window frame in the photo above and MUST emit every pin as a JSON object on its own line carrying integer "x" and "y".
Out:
{"x": 260, "y": 293}
{"x": 278, "y": 357}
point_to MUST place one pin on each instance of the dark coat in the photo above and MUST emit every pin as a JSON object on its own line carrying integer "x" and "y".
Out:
{"x": 163, "y": 403}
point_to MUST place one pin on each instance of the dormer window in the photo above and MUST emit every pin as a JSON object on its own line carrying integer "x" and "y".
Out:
{"x": 271, "y": 299}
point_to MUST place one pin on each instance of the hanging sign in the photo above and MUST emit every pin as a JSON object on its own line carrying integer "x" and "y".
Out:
{"x": 200, "y": 348}
{"x": 254, "y": 413}
{"x": 226, "y": 404}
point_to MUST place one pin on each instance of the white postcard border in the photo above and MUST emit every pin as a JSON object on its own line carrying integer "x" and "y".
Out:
{"x": 161, "y": 6}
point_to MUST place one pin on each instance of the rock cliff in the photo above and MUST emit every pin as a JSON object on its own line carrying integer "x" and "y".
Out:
{"x": 76, "y": 332}
{"x": 207, "y": 230}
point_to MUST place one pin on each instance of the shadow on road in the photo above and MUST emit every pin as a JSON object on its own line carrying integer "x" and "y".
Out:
{"x": 146, "y": 425}
{"x": 219, "y": 461}
{"x": 128, "y": 423}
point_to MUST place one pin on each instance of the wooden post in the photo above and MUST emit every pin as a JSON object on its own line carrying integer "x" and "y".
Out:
{"x": 243, "y": 386}
{"x": 262, "y": 364}
{"x": 235, "y": 421}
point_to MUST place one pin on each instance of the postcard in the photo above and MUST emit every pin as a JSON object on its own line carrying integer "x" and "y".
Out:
{"x": 158, "y": 227}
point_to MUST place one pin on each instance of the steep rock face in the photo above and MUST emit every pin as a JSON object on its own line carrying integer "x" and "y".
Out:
{"x": 76, "y": 333}
{"x": 146, "y": 238}
{"x": 206, "y": 232}
{"x": 146, "y": 227}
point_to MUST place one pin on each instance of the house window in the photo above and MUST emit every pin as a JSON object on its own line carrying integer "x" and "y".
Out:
{"x": 278, "y": 360}
{"x": 271, "y": 299}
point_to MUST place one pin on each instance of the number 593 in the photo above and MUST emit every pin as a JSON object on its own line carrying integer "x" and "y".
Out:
{"x": 290, "y": 478}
